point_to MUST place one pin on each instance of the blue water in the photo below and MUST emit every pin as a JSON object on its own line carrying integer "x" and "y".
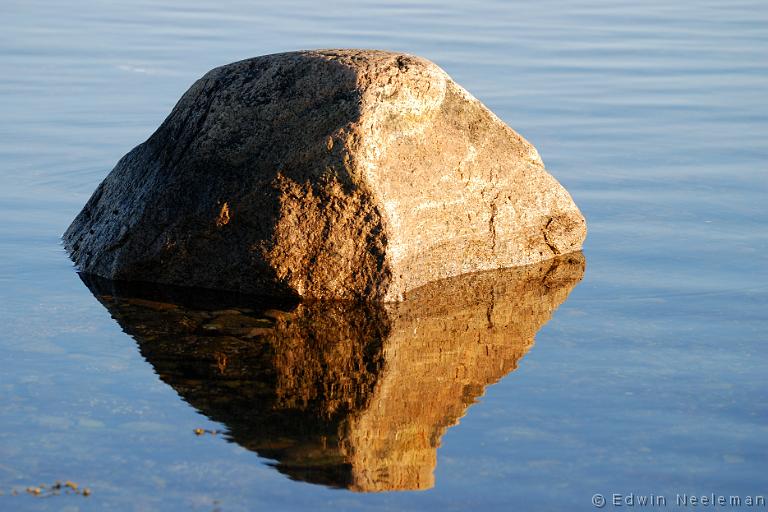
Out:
{"x": 649, "y": 379}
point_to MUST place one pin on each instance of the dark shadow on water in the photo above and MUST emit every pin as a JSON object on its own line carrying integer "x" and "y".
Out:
{"x": 346, "y": 395}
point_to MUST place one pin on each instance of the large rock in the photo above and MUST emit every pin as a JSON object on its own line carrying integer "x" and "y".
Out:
{"x": 325, "y": 174}
{"x": 340, "y": 393}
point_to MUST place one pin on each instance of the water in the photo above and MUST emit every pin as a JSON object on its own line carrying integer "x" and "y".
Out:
{"x": 649, "y": 379}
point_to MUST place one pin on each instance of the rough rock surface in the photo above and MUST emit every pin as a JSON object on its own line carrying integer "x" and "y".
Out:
{"x": 344, "y": 394}
{"x": 345, "y": 174}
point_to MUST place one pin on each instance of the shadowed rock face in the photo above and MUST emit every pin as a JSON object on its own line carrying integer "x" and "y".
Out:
{"x": 344, "y": 394}
{"x": 327, "y": 174}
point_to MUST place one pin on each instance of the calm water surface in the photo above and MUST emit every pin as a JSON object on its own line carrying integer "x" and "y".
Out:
{"x": 649, "y": 379}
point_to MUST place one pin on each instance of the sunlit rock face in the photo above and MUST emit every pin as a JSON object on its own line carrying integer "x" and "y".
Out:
{"x": 325, "y": 174}
{"x": 344, "y": 394}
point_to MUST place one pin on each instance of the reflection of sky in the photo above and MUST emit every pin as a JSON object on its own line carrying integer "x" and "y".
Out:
{"x": 649, "y": 377}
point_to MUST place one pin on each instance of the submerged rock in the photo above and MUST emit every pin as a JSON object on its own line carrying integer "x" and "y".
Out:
{"x": 338, "y": 393}
{"x": 325, "y": 174}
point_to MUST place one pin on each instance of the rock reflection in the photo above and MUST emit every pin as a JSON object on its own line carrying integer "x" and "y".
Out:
{"x": 346, "y": 395}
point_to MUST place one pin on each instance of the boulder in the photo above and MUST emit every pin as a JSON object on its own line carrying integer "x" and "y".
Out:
{"x": 326, "y": 174}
